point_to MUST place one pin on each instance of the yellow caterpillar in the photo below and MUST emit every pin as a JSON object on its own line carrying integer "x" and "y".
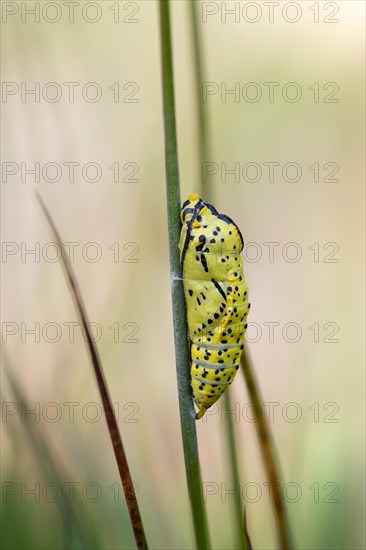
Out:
{"x": 216, "y": 296}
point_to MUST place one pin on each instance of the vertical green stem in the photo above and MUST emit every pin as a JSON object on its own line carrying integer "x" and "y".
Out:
{"x": 203, "y": 135}
{"x": 188, "y": 426}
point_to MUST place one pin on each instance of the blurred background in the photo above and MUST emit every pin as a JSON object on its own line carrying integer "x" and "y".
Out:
{"x": 82, "y": 122}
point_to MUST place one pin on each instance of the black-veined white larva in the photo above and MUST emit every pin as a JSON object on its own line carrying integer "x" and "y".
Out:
{"x": 216, "y": 296}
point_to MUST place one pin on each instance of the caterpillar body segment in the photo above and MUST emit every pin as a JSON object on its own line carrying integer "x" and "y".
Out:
{"x": 216, "y": 296}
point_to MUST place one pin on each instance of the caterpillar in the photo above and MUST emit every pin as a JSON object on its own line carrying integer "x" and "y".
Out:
{"x": 216, "y": 296}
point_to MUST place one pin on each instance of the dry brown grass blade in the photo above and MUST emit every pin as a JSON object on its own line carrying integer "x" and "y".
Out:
{"x": 268, "y": 454}
{"x": 246, "y": 532}
{"x": 114, "y": 433}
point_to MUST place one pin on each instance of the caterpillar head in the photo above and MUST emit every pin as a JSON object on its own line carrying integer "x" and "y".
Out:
{"x": 198, "y": 209}
{"x": 196, "y": 213}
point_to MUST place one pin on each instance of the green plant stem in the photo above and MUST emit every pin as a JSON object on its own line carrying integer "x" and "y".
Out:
{"x": 235, "y": 477}
{"x": 119, "y": 452}
{"x": 188, "y": 426}
{"x": 268, "y": 454}
{"x": 203, "y": 135}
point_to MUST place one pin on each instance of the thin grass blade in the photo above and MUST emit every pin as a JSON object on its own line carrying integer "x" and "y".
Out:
{"x": 241, "y": 541}
{"x": 198, "y": 63}
{"x": 114, "y": 433}
{"x": 268, "y": 452}
{"x": 246, "y": 532}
